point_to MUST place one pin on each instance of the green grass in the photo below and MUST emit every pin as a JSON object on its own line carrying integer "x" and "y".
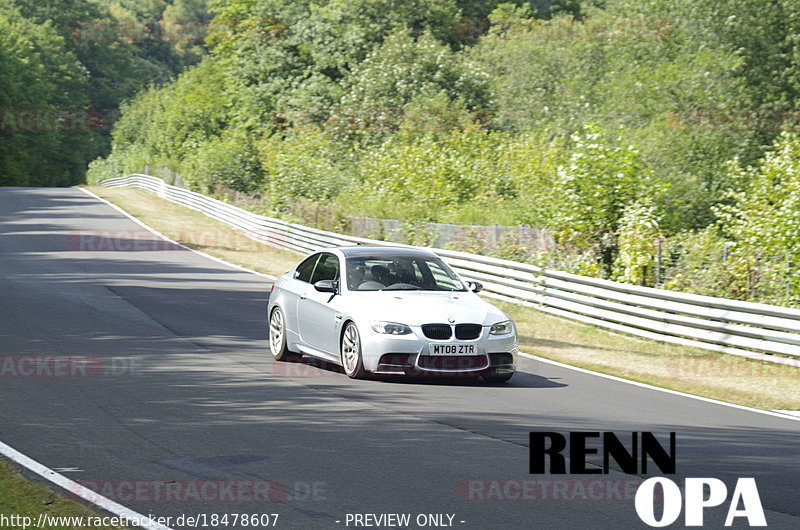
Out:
{"x": 26, "y": 498}
{"x": 695, "y": 371}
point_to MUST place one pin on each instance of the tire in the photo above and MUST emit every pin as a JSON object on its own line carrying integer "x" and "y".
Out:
{"x": 277, "y": 337}
{"x": 494, "y": 377}
{"x": 350, "y": 350}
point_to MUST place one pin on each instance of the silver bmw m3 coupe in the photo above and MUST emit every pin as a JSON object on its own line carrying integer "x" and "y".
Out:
{"x": 390, "y": 311}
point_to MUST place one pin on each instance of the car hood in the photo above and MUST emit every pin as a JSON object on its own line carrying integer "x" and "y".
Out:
{"x": 425, "y": 307}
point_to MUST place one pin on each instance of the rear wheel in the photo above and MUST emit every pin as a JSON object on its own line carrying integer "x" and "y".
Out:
{"x": 277, "y": 337}
{"x": 351, "y": 352}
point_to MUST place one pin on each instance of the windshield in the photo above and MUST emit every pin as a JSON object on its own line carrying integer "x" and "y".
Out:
{"x": 400, "y": 273}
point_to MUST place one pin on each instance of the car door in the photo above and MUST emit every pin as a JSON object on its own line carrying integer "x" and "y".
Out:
{"x": 295, "y": 287}
{"x": 316, "y": 311}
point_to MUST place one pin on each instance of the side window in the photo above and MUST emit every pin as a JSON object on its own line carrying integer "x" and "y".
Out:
{"x": 418, "y": 273}
{"x": 304, "y": 270}
{"x": 327, "y": 268}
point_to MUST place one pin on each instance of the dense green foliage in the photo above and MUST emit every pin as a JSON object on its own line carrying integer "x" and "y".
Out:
{"x": 65, "y": 67}
{"x": 614, "y": 123}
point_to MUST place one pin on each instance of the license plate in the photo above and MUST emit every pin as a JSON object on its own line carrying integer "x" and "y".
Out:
{"x": 451, "y": 349}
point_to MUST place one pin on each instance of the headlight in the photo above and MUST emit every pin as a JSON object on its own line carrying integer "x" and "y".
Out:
{"x": 390, "y": 328}
{"x": 502, "y": 328}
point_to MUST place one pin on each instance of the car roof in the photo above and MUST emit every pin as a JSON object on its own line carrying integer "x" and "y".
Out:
{"x": 377, "y": 252}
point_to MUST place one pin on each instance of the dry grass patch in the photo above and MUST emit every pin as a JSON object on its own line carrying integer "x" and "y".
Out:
{"x": 692, "y": 370}
{"x": 199, "y": 232}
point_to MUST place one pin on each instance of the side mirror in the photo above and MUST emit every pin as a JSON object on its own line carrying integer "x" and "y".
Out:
{"x": 327, "y": 286}
{"x": 475, "y": 287}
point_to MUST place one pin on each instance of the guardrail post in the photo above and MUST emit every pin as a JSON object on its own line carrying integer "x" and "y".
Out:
{"x": 658, "y": 263}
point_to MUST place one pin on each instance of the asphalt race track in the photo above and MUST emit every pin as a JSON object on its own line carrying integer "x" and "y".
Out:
{"x": 160, "y": 392}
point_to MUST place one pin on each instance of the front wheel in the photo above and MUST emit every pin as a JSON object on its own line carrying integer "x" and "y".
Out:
{"x": 351, "y": 352}
{"x": 277, "y": 337}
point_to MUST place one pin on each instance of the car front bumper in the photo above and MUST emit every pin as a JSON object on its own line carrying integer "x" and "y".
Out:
{"x": 410, "y": 354}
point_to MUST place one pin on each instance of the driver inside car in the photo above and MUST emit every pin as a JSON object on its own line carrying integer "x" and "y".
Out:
{"x": 355, "y": 276}
{"x": 405, "y": 272}
{"x": 381, "y": 275}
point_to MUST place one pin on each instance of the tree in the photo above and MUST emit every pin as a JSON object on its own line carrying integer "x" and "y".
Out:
{"x": 626, "y": 66}
{"x": 45, "y": 128}
{"x": 417, "y": 81}
{"x": 764, "y": 221}
{"x": 596, "y": 187}
{"x": 637, "y": 236}
{"x": 170, "y": 126}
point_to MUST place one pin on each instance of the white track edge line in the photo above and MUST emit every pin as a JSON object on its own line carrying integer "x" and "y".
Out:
{"x": 528, "y": 355}
{"x": 165, "y": 238}
{"x": 661, "y": 389}
{"x": 79, "y": 490}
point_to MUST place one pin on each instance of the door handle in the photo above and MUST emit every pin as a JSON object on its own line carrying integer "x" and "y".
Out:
{"x": 303, "y": 296}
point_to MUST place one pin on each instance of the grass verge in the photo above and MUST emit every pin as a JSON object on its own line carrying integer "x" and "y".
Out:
{"x": 20, "y": 497}
{"x": 695, "y": 371}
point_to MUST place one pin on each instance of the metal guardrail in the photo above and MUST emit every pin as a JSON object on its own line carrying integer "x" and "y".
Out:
{"x": 728, "y": 326}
